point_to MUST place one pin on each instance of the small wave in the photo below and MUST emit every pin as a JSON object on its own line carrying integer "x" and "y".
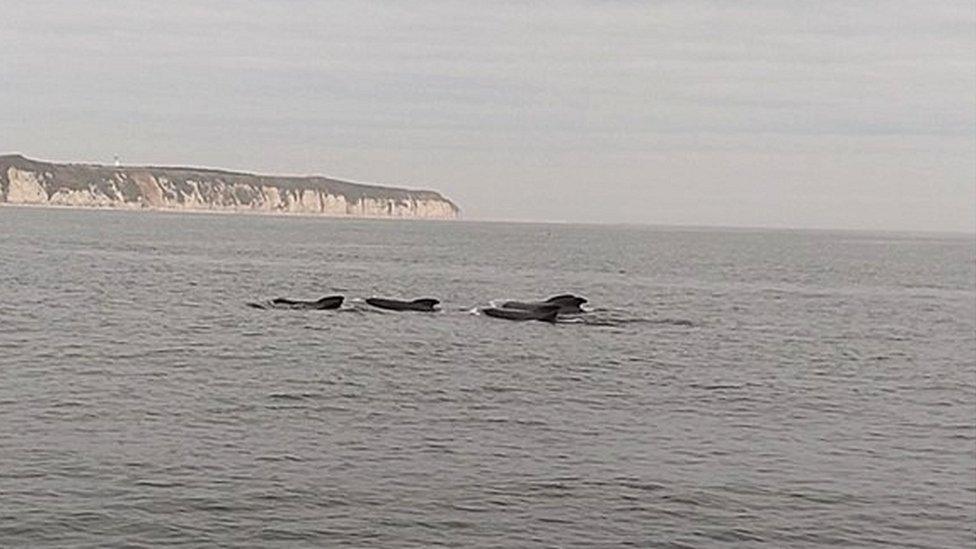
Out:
{"x": 616, "y": 319}
{"x": 158, "y": 483}
{"x": 67, "y": 404}
{"x": 673, "y": 322}
{"x": 290, "y": 396}
{"x": 715, "y": 386}
{"x": 571, "y": 320}
{"x": 282, "y": 457}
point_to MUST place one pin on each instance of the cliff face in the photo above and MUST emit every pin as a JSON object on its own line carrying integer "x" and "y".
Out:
{"x": 25, "y": 181}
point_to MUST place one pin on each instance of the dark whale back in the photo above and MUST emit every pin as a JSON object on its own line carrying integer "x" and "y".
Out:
{"x": 567, "y": 299}
{"x": 567, "y": 303}
{"x": 424, "y": 304}
{"x": 544, "y": 313}
{"x": 325, "y": 303}
{"x": 328, "y": 302}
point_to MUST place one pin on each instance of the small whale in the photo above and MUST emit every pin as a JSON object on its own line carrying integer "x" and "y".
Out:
{"x": 568, "y": 304}
{"x": 544, "y": 313}
{"x": 424, "y": 304}
{"x": 328, "y": 302}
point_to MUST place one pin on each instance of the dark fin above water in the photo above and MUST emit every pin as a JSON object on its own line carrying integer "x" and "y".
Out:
{"x": 423, "y": 304}
{"x": 329, "y": 302}
{"x": 567, "y": 299}
{"x": 567, "y": 303}
{"x": 325, "y": 303}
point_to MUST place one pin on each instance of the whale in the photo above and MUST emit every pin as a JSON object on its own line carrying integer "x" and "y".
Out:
{"x": 567, "y": 303}
{"x": 424, "y": 304}
{"x": 325, "y": 303}
{"x": 544, "y": 313}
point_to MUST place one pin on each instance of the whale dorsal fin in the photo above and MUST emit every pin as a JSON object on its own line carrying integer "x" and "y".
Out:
{"x": 566, "y": 298}
{"x": 426, "y": 301}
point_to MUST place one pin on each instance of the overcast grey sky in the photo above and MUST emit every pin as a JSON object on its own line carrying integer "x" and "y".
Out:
{"x": 785, "y": 114}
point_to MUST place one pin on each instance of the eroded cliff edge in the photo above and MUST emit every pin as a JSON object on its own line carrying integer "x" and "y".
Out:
{"x": 26, "y": 181}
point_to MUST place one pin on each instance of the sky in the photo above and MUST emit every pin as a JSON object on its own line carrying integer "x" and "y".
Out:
{"x": 827, "y": 114}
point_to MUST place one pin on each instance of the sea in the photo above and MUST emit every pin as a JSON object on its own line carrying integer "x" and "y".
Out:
{"x": 726, "y": 388}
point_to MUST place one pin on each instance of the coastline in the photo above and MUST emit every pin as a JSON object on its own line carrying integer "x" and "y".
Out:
{"x": 227, "y": 212}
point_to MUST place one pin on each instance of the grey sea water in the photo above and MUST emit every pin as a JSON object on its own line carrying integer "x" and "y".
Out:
{"x": 730, "y": 388}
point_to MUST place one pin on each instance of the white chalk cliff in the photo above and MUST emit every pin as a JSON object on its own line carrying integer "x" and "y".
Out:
{"x": 25, "y": 181}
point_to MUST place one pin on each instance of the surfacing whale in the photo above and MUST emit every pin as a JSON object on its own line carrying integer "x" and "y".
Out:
{"x": 424, "y": 304}
{"x": 568, "y": 304}
{"x": 544, "y": 313}
{"x": 327, "y": 302}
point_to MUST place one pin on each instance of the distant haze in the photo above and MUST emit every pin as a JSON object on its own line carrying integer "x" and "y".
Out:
{"x": 780, "y": 114}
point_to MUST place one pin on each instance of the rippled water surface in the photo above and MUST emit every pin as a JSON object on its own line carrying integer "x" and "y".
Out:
{"x": 729, "y": 388}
